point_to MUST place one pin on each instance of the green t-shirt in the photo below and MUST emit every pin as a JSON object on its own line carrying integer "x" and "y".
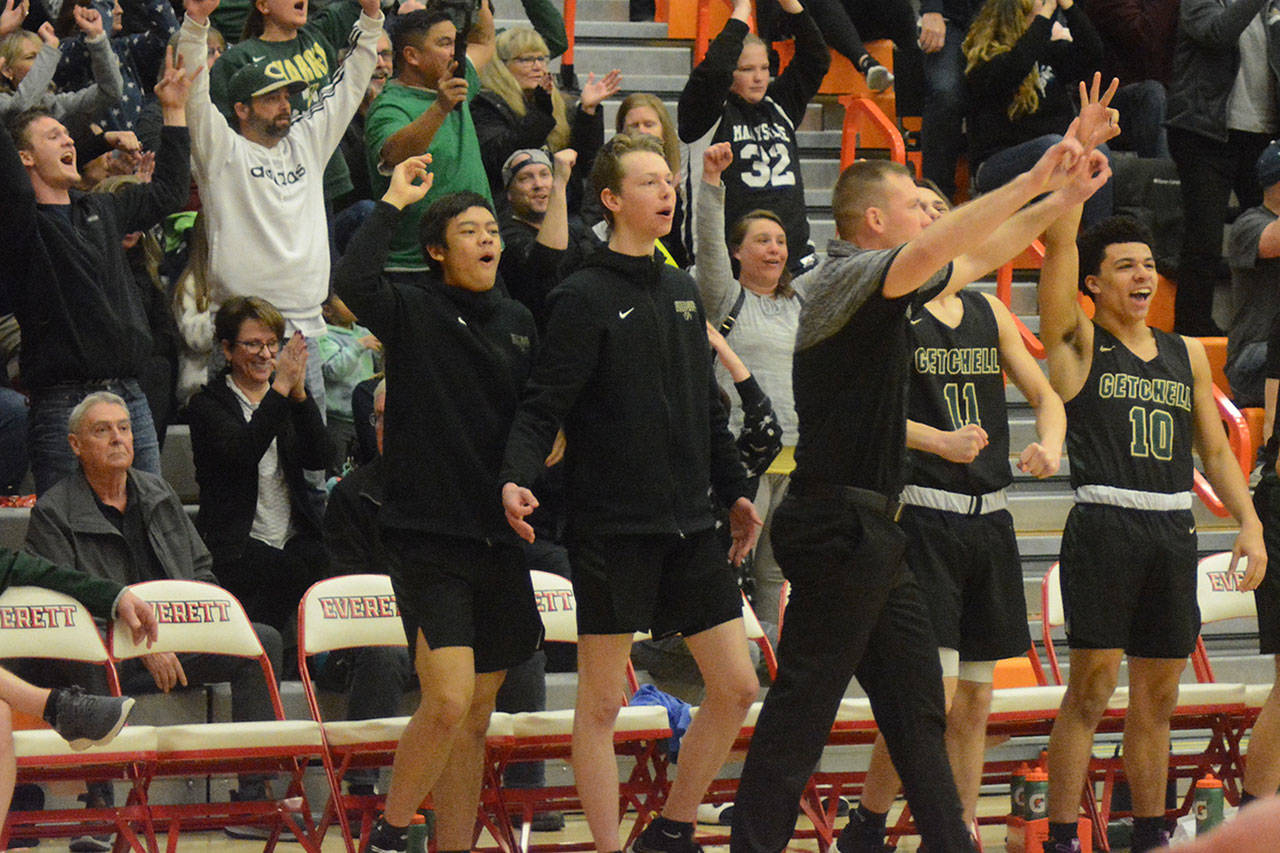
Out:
{"x": 310, "y": 56}
{"x": 455, "y": 158}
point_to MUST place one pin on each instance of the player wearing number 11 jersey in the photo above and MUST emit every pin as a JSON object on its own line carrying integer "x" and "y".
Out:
{"x": 1137, "y": 400}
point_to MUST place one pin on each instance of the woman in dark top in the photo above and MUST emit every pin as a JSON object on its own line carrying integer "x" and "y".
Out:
{"x": 254, "y": 429}
{"x": 520, "y": 107}
{"x": 1023, "y": 59}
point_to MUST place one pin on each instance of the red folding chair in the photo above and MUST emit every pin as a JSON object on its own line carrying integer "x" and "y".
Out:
{"x": 39, "y": 623}
{"x": 354, "y": 611}
{"x": 1221, "y": 600}
{"x": 201, "y": 617}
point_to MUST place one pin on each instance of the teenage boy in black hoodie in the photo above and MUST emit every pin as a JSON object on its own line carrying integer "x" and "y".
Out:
{"x": 458, "y": 354}
{"x": 626, "y": 369}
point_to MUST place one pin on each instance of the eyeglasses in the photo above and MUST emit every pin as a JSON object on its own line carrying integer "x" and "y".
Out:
{"x": 376, "y": 418}
{"x": 540, "y": 59}
{"x": 272, "y": 347}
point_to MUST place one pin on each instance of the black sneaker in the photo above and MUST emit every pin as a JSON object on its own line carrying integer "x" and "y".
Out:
{"x": 547, "y": 822}
{"x": 655, "y": 840}
{"x": 1153, "y": 844}
{"x": 384, "y": 839}
{"x": 858, "y": 837}
{"x": 87, "y": 720}
{"x": 92, "y": 843}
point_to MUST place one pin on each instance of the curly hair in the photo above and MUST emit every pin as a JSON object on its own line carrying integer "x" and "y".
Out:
{"x": 995, "y": 30}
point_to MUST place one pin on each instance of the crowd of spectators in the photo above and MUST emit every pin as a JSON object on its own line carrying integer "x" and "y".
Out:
{"x": 179, "y": 177}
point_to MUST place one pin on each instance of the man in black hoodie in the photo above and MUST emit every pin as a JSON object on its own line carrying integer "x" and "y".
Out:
{"x": 458, "y": 354}
{"x": 627, "y": 369}
{"x": 63, "y": 269}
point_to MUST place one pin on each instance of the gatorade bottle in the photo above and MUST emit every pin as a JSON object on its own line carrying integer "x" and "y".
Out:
{"x": 1037, "y": 794}
{"x": 1208, "y": 803}
{"x": 1018, "y": 791}
{"x": 417, "y": 835}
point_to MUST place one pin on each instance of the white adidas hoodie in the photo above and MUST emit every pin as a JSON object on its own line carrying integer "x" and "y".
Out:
{"x": 265, "y": 206}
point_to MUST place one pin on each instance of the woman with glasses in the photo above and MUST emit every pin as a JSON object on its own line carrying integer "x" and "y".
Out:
{"x": 520, "y": 107}
{"x": 254, "y": 429}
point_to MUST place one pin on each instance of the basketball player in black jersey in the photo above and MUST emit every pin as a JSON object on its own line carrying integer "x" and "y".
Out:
{"x": 961, "y": 544}
{"x": 1137, "y": 400}
{"x": 854, "y": 607}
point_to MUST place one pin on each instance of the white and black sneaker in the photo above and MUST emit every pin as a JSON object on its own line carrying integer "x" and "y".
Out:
{"x": 87, "y": 720}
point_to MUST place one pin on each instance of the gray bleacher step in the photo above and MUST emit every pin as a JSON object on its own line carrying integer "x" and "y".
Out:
{"x": 177, "y": 464}
{"x": 654, "y": 59}
{"x": 587, "y": 30}
{"x": 820, "y": 173}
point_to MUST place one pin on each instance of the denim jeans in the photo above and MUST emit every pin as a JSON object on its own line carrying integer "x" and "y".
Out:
{"x": 13, "y": 439}
{"x": 946, "y": 97}
{"x": 1007, "y": 163}
{"x": 1142, "y": 107}
{"x": 51, "y": 456}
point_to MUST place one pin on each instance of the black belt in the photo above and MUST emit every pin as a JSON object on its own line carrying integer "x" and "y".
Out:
{"x": 851, "y": 495}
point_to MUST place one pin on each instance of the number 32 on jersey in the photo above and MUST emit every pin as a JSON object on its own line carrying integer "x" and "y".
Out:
{"x": 770, "y": 165}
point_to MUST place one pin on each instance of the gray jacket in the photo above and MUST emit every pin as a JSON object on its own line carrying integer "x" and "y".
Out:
{"x": 68, "y": 528}
{"x": 1207, "y": 58}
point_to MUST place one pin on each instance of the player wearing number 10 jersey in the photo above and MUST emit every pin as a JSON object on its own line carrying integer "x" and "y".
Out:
{"x": 1137, "y": 400}
{"x": 729, "y": 98}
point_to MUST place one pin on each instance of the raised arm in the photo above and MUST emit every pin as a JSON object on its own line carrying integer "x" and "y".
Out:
{"x": 93, "y": 101}
{"x": 1222, "y": 470}
{"x": 414, "y": 138}
{"x": 1040, "y": 458}
{"x": 714, "y": 271}
{"x": 482, "y": 37}
{"x": 702, "y": 99}
{"x": 357, "y": 277}
{"x": 800, "y": 80}
{"x": 211, "y": 137}
{"x": 545, "y": 18}
{"x": 1065, "y": 331}
{"x": 1215, "y": 25}
{"x": 973, "y": 223}
{"x": 326, "y": 120}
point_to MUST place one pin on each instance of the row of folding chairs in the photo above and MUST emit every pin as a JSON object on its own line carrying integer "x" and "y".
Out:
{"x": 193, "y": 617}
{"x": 360, "y": 610}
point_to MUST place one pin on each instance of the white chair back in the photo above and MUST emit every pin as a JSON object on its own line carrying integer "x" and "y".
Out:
{"x": 556, "y": 606}
{"x": 40, "y": 623}
{"x": 1218, "y": 591}
{"x": 194, "y": 617}
{"x": 349, "y": 611}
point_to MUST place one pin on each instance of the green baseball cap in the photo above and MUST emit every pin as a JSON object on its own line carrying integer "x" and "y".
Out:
{"x": 251, "y": 82}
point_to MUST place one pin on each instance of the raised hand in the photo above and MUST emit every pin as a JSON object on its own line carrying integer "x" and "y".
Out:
{"x": 13, "y": 15}
{"x": 1097, "y": 122}
{"x": 291, "y": 367}
{"x": 410, "y": 182}
{"x": 200, "y": 10}
{"x": 88, "y": 19}
{"x": 715, "y": 160}
{"x": 47, "y": 35}
{"x": 562, "y": 163}
{"x": 175, "y": 84}
{"x": 371, "y": 8}
{"x": 1086, "y": 177}
{"x": 595, "y": 91}
{"x": 451, "y": 89}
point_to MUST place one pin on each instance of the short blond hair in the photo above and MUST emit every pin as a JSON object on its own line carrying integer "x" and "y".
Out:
{"x": 860, "y": 187}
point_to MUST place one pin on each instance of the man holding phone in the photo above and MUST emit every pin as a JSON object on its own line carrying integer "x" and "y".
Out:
{"x": 425, "y": 108}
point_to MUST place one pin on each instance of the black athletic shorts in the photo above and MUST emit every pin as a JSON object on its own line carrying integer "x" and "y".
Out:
{"x": 969, "y": 569}
{"x": 662, "y": 583}
{"x": 464, "y": 592}
{"x": 1129, "y": 580}
{"x": 1266, "y": 500}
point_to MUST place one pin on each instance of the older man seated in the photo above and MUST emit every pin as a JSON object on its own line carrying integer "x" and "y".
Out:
{"x": 114, "y": 521}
